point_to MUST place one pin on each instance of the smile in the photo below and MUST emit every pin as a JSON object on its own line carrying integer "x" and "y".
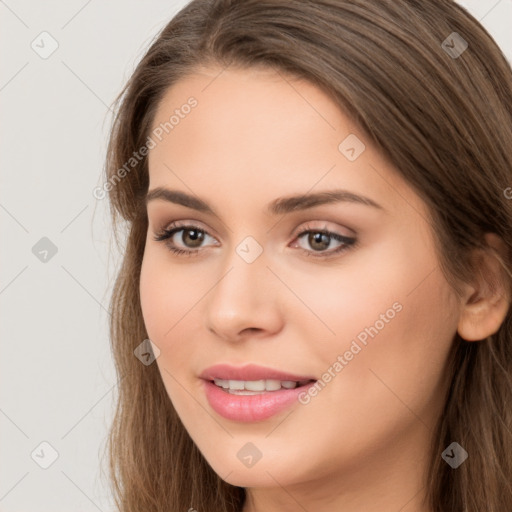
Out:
{"x": 255, "y": 387}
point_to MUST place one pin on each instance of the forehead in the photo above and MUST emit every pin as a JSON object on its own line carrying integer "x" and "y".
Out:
{"x": 243, "y": 108}
{"x": 261, "y": 133}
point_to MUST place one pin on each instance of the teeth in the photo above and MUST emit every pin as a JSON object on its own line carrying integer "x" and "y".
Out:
{"x": 222, "y": 383}
{"x": 255, "y": 385}
{"x": 272, "y": 385}
{"x": 236, "y": 384}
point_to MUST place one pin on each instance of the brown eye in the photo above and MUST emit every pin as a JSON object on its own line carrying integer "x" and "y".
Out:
{"x": 196, "y": 236}
{"x": 318, "y": 241}
{"x": 189, "y": 243}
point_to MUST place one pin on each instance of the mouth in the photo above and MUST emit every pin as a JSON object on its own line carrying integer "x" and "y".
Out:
{"x": 258, "y": 387}
{"x": 252, "y": 393}
{"x": 231, "y": 400}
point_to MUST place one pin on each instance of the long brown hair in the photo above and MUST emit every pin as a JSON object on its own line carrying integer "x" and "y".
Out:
{"x": 441, "y": 113}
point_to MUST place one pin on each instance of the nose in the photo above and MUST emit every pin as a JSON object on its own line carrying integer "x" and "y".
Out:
{"x": 244, "y": 302}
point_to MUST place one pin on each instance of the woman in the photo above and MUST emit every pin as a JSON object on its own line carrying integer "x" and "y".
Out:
{"x": 313, "y": 310}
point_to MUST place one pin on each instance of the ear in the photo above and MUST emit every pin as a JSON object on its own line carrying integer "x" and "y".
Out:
{"x": 486, "y": 299}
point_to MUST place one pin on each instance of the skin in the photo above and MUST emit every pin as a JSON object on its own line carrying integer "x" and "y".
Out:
{"x": 361, "y": 444}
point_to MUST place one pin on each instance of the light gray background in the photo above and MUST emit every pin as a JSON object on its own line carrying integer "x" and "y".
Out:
{"x": 58, "y": 382}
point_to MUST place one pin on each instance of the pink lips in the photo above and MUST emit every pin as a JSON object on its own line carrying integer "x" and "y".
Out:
{"x": 250, "y": 408}
{"x": 248, "y": 372}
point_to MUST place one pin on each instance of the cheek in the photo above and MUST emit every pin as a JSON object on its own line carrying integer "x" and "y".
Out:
{"x": 165, "y": 295}
{"x": 153, "y": 297}
{"x": 166, "y": 298}
{"x": 170, "y": 301}
{"x": 390, "y": 311}
{"x": 394, "y": 330}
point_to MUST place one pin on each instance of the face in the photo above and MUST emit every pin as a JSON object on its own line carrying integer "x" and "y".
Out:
{"x": 345, "y": 294}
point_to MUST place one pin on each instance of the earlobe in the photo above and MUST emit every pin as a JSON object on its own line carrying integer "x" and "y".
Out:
{"x": 487, "y": 301}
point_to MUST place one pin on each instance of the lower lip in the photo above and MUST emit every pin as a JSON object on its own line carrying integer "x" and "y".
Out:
{"x": 250, "y": 408}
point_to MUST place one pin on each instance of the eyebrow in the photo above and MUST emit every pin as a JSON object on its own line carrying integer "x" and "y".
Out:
{"x": 279, "y": 206}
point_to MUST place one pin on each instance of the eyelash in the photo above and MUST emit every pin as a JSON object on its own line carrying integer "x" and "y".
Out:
{"x": 167, "y": 234}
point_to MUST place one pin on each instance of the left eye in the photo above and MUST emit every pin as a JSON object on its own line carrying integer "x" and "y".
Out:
{"x": 192, "y": 237}
{"x": 320, "y": 240}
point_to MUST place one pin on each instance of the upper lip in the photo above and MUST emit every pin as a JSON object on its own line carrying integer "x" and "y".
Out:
{"x": 249, "y": 372}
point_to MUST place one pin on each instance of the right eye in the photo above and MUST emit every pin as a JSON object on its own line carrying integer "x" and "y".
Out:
{"x": 191, "y": 235}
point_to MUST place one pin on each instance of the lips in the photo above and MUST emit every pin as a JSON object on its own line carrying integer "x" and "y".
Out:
{"x": 250, "y": 372}
{"x": 241, "y": 405}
